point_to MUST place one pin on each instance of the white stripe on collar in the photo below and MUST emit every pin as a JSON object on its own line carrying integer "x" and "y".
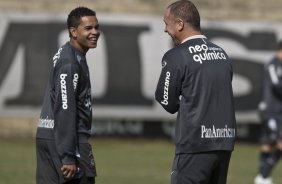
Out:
{"x": 193, "y": 37}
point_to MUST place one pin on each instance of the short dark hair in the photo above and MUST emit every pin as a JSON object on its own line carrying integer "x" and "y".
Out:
{"x": 76, "y": 14}
{"x": 187, "y": 11}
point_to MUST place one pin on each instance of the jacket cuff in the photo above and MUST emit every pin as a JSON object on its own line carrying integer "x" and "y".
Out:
{"x": 69, "y": 160}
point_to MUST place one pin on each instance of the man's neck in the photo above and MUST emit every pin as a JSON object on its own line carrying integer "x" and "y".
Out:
{"x": 190, "y": 34}
{"x": 75, "y": 44}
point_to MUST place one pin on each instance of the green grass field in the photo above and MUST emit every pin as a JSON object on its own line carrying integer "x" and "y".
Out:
{"x": 121, "y": 161}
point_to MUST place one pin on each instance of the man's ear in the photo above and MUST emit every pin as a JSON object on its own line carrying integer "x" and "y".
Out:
{"x": 73, "y": 32}
{"x": 180, "y": 25}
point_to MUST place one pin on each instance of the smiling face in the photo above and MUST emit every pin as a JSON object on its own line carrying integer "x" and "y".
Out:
{"x": 86, "y": 34}
{"x": 172, "y": 27}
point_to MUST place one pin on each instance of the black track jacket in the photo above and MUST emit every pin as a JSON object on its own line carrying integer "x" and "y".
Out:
{"x": 271, "y": 104}
{"x": 195, "y": 81}
{"x": 66, "y": 111}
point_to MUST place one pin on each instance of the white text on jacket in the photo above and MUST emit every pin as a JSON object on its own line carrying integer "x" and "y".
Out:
{"x": 166, "y": 85}
{"x": 64, "y": 91}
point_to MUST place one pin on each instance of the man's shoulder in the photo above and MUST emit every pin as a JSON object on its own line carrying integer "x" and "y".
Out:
{"x": 173, "y": 55}
{"x": 66, "y": 56}
{"x": 175, "y": 51}
{"x": 67, "y": 52}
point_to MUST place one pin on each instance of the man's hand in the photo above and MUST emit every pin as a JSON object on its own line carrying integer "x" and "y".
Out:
{"x": 69, "y": 171}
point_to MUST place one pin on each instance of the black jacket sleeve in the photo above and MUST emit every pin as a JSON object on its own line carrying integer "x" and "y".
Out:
{"x": 65, "y": 112}
{"x": 275, "y": 78}
{"x": 169, "y": 85}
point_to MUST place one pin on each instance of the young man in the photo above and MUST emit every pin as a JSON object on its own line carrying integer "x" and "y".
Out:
{"x": 195, "y": 81}
{"x": 270, "y": 110}
{"x": 63, "y": 152}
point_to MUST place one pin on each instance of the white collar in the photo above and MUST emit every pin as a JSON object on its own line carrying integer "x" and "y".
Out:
{"x": 193, "y": 37}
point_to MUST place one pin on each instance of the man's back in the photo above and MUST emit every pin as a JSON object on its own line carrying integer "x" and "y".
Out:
{"x": 201, "y": 73}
